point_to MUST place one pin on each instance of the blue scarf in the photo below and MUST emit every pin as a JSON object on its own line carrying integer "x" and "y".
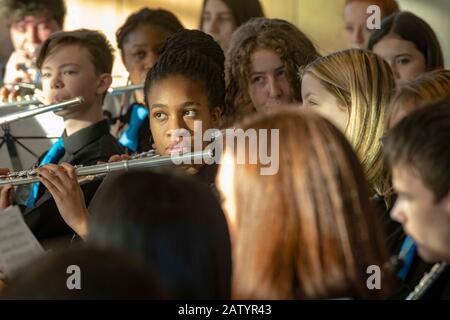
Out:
{"x": 407, "y": 251}
{"x": 130, "y": 138}
{"x": 53, "y": 155}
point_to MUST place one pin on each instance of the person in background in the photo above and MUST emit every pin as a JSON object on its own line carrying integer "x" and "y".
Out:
{"x": 220, "y": 18}
{"x": 353, "y": 89}
{"x": 417, "y": 150}
{"x": 261, "y": 66}
{"x": 104, "y": 274}
{"x": 30, "y": 23}
{"x": 420, "y": 92}
{"x": 408, "y": 44}
{"x": 355, "y": 20}
{"x": 171, "y": 221}
{"x": 73, "y": 64}
{"x": 139, "y": 40}
{"x": 427, "y": 88}
{"x": 185, "y": 86}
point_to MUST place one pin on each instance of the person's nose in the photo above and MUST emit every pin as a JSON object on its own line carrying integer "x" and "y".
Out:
{"x": 398, "y": 214}
{"x": 358, "y": 38}
{"x": 56, "y": 81}
{"x": 274, "y": 88}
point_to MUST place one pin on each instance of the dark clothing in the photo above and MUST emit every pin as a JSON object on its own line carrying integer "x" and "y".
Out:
{"x": 207, "y": 174}
{"x": 85, "y": 147}
{"x": 440, "y": 290}
{"x": 395, "y": 236}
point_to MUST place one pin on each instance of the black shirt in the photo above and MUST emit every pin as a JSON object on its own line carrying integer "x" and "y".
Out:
{"x": 85, "y": 147}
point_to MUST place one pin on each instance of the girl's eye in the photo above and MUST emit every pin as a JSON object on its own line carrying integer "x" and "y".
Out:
{"x": 258, "y": 80}
{"x": 140, "y": 54}
{"x": 281, "y": 73}
{"x": 159, "y": 116}
{"x": 349, "y": 29}
{"x": 206, "y": 17}
{"x": 312, "y": 103}
{"x": 45, "y": 75}
{"x": 403, "y": 61}
{"x": 224, "y": 19}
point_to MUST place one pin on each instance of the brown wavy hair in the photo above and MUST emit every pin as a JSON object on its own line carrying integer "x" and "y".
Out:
{"x": 427, "y": 88}
{"x": 293, "y": 46}
{"x": 308, "y": 231}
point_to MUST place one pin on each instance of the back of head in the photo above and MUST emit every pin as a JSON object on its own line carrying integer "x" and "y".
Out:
{"x": 421, "y": 142}
{"x": 161, "y": 18}
{"x": 307, "y": 231}
{"x": 363, "y": 83}
{"x": 174, "y": 223}
{"x": 17, "y": 10}
{"x": 411, "y": 28}
{"x": 86, "y": 273}
{"x": 195, "y": 55}
{"x": 100, "y": 49}
{"x": 425, "y": 89}
{"x": 242, "y": 10}
{"x": 292, "y": 45}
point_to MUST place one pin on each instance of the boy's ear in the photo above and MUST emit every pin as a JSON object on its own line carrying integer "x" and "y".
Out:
{"x": 103, "y": 83}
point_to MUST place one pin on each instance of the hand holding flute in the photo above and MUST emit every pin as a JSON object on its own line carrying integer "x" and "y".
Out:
{"x": 62, "y": 182}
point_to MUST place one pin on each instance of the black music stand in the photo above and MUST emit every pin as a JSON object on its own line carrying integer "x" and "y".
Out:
{"x": 11, "y": 142}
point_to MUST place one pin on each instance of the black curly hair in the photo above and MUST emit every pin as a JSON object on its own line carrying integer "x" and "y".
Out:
{"x": 195, "y": 55}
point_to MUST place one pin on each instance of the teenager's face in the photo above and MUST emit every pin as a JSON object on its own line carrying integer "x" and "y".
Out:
{"x": 219, "y": 22}
{"x": 176, "y": 102}
{"x": 315, "y": 96}
{"x": 140, "y": 50}
{"x": 426, "y": 221}
{"x": 405, "y": 60}
{"x": 355, "y": 19}
{"x": 68, "y": 72}
{"x": 268, "y": 86}
{"x": 28, "y": 34}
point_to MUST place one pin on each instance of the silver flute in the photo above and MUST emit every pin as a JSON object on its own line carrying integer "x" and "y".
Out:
{"x": 26, "y": 101}
{"x": 39, "y": 110}
{"x": 141, "y": 161}
{"x": 427, "y": 281}
{"x": 119, "y": 90}
{"x": 31, "y": 100}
